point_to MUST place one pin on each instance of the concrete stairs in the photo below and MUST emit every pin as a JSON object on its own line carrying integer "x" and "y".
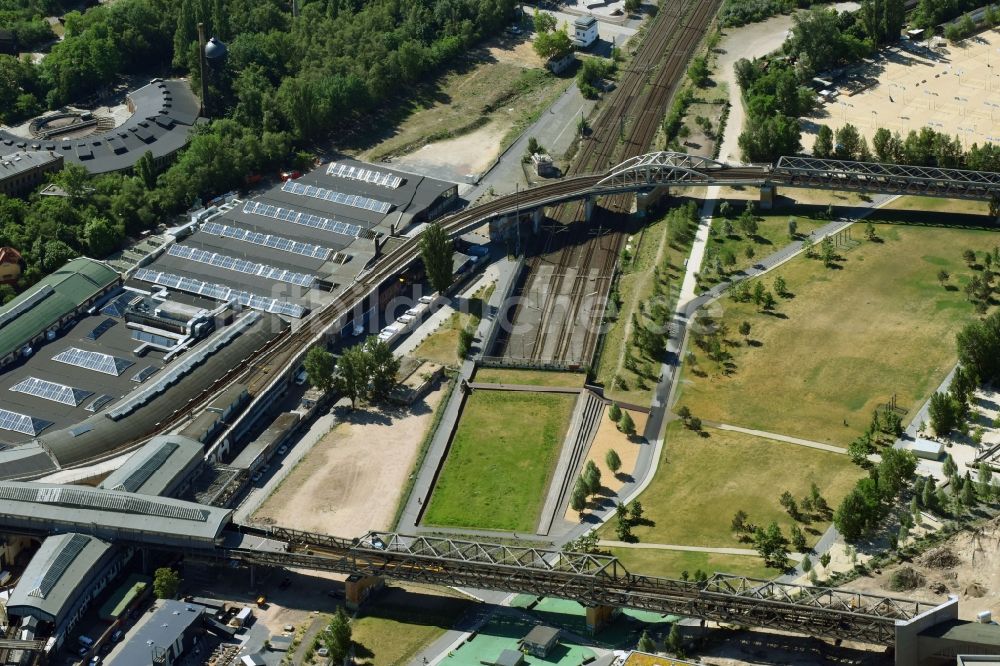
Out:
{"x": 582, "y": 429}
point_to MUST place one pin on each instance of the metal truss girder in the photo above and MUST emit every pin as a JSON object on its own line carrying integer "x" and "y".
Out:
{"x": 888, "y": 178}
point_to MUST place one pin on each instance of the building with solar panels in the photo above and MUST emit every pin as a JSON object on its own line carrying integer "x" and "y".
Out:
{"x": 293, "y": 248}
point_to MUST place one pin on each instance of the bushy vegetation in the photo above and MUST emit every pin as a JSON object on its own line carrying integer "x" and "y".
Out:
{"x": 288, "y": 81}
{"x": 26, "y": 19}
{"x": 740, "y": 12}
{"x": 591, "y": 72}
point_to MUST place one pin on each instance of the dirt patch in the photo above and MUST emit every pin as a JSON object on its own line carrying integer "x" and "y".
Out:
{"x": 517, "y": 52}
{"x": 608, "y": 437}
{"x": 967, "y": 564}
{"x": 351, "y": 481}
{"x": 471, "y": 153}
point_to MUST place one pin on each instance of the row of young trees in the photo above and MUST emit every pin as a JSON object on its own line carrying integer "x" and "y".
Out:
{"x": 874, "y": 495}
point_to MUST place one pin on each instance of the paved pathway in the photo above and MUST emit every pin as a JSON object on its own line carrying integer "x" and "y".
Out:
{"x": 781, "y": 438}
{"x": 687, "y": 549}
{"x": 527, "y": 388}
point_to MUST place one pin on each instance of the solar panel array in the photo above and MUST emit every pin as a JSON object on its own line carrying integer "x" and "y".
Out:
{"x": 241, "y": 265}
{"x": 386, "y": 179}
{"x": 141, "y": 474}
{"x": 57, "y": 566}
{"x": 31, "y": 301}
{"x": 91, "y": 360}
{"x": 116, "y": 308}
{"x": 353, "y": 200}
{"x": 102, "y": 500}
{"x": 101, "y": 329}
{"x": 220, "y": 292}
{"x": 267, "y": 240}
{"x": 22, "y": 423}
{"x": 40, "y": 388}
{"x": 144, "y": 374}
{"x": 305, "y": 219}
{"x": 179, "y": 370}
{"x": 99, "y": 402}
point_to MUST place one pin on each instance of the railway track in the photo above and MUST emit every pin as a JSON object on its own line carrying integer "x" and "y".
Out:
{"x": 639, "y": 104}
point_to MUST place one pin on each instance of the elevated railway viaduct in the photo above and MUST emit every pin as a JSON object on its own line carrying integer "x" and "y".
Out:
{"x": 597, "y": 581}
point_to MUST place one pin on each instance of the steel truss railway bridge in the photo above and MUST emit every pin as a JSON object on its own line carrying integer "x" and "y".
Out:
{"x": 594, "y": 581}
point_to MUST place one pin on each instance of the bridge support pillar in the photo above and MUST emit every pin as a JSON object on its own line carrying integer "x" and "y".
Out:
{"x": 644, "y": 201}
{"x": 767, "y": 194}
{"x": 589, "y": 204}
{"x": 599, "y": 617}
{"x": 537, "y": 216}
{"x": 358, "y": 588}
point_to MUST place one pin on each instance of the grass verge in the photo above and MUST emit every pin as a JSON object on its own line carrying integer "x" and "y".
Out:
{"x": 671, "y": 563}
{"x": 500, "y": 462}
{"x": 441, "y": 346}
{"x": 703, "y": 480}
{"x": 844, "y": 340}
{"x": 527, "y": 377}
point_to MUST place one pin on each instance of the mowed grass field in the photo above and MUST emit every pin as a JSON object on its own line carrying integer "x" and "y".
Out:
{"x": 528, "y": 377}
{"x": 501, "y": 459}
{"x": 847, "y": 340}
{"x": 671, "y": 563}
{"x": 402, "y": 620}
{"x": 702, "y": 481}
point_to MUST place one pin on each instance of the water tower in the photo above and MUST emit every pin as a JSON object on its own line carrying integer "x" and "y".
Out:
{"x": 210, "y": 54}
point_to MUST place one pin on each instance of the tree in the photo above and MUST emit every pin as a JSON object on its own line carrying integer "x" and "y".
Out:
{"x": 544, "y": 22}
{"x": 943, "y": 411}
{"x": 145, "y": 170}
{"x": 626, "y": 424}
{"x": 853, "y": 515}
{"x": 745, "y": 331}
{"x": 824, "y": 559}
{"x": 635, "y": 511}
{"x": 614, "y": 412}
{"x": 102, "y": 236}
{"x": 943, "y": 276}
{"x": 798, "y": 539}
{"x": 613, "y": 461}
{"x": 694, "y": 423}
{"x": 436, "y": 251}
{"x": 353, "y": 373}
{"x": 824, "y": 142}
{"x": 382, "y": 367}
{"x": 780, "y": 287}
{"x": 807, "y": 564}
{"x": 465, "y": 339}
{"x": 895, "y": 471}
{"x": 684, "y": 413}
{"x": 772, "y": 545}
{"x": 739, "y": 524}
{"x": 166, "y": 582}
{"x": 319, "y": 366}
{"x": 592, "y": 477}
{"x": 969, "y": 256}
{"x": 827, "y": 252}
{"x": 769, "y": 301}
{"x": 870, "y": 231}
{"x": 623, "y": 529}
{"x": 793, "y": 227}
{"x": 578, "y": 498}
{"x": 554, "y": 44}
{"x": 675, "y": 642}
{"x": 698, "y": 71}
{"x": 337, "y": 637}
{"x": 765, "y": 139}
{"x": 645, "y": 643}
{"x": 632, "y": 6}
{"x": 968, "y": 494}
{"x": 788, "y": 503}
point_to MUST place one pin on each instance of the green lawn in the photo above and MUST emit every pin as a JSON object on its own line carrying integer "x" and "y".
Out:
{"x": 441, "y": 346}
{"x": 670, "y": 563}
{"x": 528, "y": 377}
{"x": 772, "y": 235}
{"x": 399, "y": 622}
{"x": 846, "y": 341}
{"x": 702, "y": 481}
{"x": 635, "y": 286}
{"x": 501, "y": 459}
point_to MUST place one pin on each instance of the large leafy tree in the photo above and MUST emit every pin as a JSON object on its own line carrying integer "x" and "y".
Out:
{"x": 436, "y": 251}
{"x": 320, "y": 367}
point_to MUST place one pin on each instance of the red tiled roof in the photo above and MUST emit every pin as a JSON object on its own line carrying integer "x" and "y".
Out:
{"x": 9, "y": 255}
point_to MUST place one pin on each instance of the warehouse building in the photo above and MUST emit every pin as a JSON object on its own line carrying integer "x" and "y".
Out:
{"x": 161, "y": 638}
{"x": 163, "y": 114}
{"x": 51, "y": 303}
{"x": 64, "y": 576}
{"x": 295, "y": 247}
{"x": 164, "y": 467}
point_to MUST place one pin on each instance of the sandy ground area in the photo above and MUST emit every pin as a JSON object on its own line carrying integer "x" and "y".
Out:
{"x": 967, "y": 565}
{"x": 608, "y": 437}
{"x": 351, "y": 481}
{"x": 520, "y": 52}
{"x": 471, "y": 153}
{"x": 955, "y": 90}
